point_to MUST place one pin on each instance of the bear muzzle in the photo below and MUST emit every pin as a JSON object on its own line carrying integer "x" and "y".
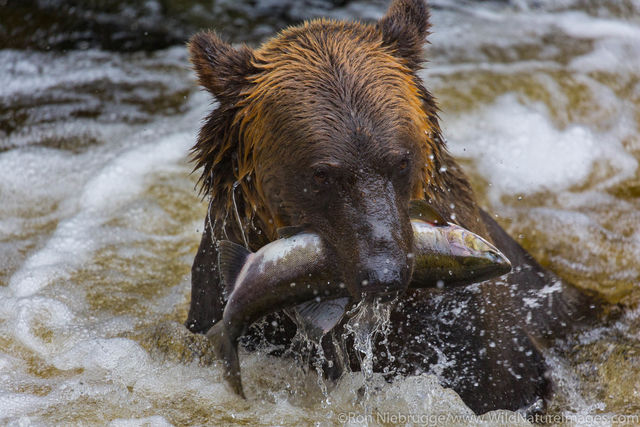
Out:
{"x": 383, "y": 277}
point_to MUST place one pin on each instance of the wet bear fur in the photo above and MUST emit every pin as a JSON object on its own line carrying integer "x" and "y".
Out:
{"x": 328, "y": 123}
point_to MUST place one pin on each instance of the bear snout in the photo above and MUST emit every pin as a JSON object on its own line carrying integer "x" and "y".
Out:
{"x": 382, "y": 276}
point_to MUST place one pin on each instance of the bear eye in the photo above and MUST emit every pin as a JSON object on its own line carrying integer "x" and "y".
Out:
{"x": 403, "y": 165}
{"x": 320, "y": 177}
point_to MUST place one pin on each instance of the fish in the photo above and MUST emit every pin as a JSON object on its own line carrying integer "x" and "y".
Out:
{"x": 449, "y": 255}
{"x": 294, "y": 272}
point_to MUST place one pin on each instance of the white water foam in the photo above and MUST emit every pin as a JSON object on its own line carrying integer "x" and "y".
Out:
{"x": 48, "y": 326}
{"x": 37, "y": 72}
{"x": 74, "y": 239}
{"x": 519, "y": 151}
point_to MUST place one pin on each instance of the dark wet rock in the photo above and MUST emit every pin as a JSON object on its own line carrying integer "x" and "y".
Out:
{"x": 144, "y": 24}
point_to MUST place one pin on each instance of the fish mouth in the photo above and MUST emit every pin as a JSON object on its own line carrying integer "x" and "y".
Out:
{"x": 479, "y": 255}
{"x": 501, "y": 263}
{"x": 489, "y": 264}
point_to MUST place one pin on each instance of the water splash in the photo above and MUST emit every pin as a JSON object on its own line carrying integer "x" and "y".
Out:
{"x": 309, "y": 351}
{"x": 368, "y": 320}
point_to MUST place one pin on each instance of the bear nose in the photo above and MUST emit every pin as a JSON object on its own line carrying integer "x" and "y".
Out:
{"x": 381, "y": 279}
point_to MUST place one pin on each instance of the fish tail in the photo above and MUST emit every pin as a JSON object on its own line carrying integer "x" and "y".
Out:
{"x": 226, "y": 350}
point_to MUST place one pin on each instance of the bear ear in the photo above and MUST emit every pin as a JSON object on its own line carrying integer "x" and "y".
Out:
{"x": 405, "y": 28}
{"x": 221, "y": 69}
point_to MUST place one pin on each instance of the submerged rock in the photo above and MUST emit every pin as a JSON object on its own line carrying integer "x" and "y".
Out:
{"x": 172, "y": 341}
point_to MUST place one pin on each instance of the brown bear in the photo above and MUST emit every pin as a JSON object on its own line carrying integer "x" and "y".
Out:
{"x": 328, "y": 125}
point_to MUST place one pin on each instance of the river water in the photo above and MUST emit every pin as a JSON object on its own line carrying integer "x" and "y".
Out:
{"x": 99, "y": 221}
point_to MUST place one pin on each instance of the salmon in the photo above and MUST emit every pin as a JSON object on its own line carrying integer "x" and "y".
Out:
{"x": 294, "y": 271}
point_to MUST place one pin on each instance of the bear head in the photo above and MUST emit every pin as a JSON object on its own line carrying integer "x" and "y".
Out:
{"x": 327, "y": 126}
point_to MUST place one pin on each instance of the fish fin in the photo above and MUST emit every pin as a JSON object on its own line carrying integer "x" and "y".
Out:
{"x": 227, "y": 351}
{"x": 420, "y": 209}
{"x": 231, "y": 258}
{"x": 291, "y": 230}
{"x": 319, "y": 317}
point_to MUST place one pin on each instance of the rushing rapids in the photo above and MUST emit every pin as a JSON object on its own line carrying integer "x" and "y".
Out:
{"x": 99, "y": 221}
